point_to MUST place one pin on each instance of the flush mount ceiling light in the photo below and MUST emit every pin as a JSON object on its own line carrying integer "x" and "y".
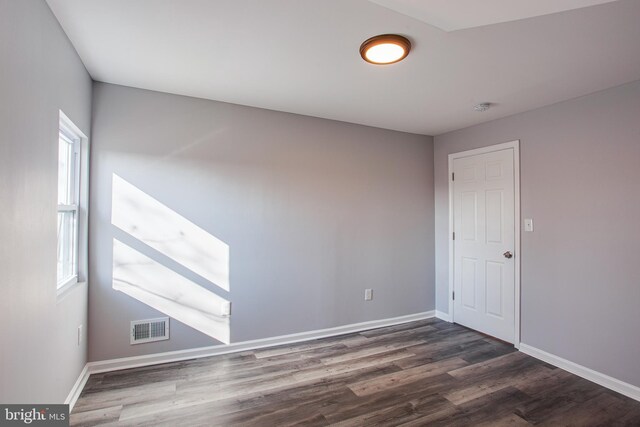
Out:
{"x": 385, "y": 49}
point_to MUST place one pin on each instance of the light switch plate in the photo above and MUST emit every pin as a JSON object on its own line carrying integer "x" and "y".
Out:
{"x": 528, "y": 224}
{"x": 225, "y": 308}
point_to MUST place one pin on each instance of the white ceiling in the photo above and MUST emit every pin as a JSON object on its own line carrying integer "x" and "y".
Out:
{"x": 301, "y": 56}
{"x": 452, "y": 15}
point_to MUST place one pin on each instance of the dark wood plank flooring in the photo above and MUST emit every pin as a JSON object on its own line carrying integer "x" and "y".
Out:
{"x": 422, "y": 373}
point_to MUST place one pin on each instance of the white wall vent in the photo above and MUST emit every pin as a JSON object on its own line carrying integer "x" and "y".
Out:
{"x": 149, "y": 330}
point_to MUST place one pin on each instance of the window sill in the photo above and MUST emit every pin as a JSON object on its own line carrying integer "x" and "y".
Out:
{"x": 68, "y": 288}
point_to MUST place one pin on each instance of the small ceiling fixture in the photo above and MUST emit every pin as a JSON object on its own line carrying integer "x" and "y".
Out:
{"x": 484, "y": 106}
{"x": 385, "y": 49}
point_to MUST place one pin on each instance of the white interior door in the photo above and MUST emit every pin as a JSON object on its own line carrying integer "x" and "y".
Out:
{"x": 484, "y": 243}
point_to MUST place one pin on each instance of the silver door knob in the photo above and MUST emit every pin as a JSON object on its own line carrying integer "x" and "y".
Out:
{"x": 508, "y": 255}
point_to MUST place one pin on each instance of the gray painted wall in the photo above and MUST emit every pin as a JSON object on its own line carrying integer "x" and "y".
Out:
{"x": 314, "y": 211}
{"x": 41, "y": 73}
{"x": 579, "y": 183}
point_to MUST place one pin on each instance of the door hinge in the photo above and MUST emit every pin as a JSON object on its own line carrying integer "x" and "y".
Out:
{"x": 453, "y": 176}
{"x": 453, "y": 295}
{"x": 454, "y": 235}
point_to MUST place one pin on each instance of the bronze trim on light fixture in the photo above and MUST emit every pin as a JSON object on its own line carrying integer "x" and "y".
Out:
{"x": 401, "y": 41}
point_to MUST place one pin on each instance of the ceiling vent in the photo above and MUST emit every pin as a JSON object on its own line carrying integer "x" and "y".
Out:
{"x": 149, "y": 330}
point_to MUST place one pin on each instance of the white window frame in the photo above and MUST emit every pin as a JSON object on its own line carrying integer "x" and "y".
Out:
{"x": 73, "y": 135}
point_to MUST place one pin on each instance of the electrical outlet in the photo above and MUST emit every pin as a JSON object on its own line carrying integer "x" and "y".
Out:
{"x": 368, "y": 294}
{"x": 225, "y": 308}
{"x": 79, "y": 335}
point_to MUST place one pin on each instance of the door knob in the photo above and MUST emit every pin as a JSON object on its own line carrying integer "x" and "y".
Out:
{"x": 508, "y": 255}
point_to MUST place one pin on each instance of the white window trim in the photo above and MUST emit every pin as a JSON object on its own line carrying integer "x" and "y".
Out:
{"x": 81, "y": 182}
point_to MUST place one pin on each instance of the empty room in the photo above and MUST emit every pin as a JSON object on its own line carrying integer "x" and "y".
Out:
{"x": 319, "y": 212}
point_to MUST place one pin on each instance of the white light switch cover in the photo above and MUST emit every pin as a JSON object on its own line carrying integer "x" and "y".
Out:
{"x": 225, "y": 308}
{"x": 528, "y": 224}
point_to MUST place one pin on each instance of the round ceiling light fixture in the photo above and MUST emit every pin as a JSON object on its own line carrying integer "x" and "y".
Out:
{"x": 385, "y": 49}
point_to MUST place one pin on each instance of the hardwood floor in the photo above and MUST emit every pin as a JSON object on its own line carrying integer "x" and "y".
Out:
{"x": 422, "y": 373}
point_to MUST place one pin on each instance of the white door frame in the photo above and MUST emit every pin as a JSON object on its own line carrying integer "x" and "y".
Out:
{"x": 515, "y": 145}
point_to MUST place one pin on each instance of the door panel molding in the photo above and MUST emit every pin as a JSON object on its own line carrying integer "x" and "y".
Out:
{"x": 515, "y": 145}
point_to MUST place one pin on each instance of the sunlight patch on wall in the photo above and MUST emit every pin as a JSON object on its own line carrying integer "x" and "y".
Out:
{"x": 161, "y": 288}
{"x": 158, "y": 226}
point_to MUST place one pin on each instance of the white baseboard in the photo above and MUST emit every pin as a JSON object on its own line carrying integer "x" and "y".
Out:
{"x": 614, "y": 384}
{"x": 195, "y": 353}
{"x": 72, "y": 398}
{"x": 443, "y": 316}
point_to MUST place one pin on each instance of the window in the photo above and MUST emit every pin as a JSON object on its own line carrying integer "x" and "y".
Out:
{"x": 69, "y": 144}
